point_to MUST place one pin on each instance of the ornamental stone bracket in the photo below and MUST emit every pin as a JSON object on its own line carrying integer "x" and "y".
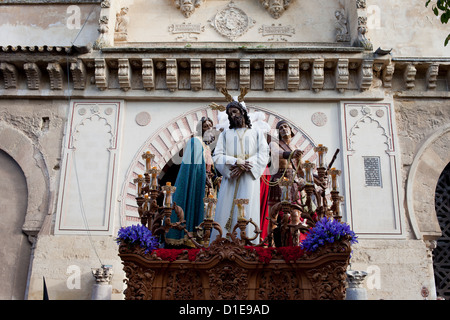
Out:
{"x": 131, "y": 72}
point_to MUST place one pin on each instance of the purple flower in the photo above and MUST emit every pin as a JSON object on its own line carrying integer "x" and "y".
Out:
{"x": 138, "y": 235}
{"x": 327, "y": 230}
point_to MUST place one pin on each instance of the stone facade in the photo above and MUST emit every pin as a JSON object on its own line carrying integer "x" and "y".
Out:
{"x": 99, "y": 82}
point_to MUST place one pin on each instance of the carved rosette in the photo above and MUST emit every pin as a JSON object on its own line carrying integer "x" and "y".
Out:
{"x": 231, "y": 22}
{"x": 184, "y": 284}
{"x": 228, "y": 282}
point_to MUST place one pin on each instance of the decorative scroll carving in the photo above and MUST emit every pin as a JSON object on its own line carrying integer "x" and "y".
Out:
{"x": 342, "y": 74}
{"x": 278, "y": 33}
{"x": 387, "y": 74}
{"x": 328, "y": 282}
{"x": 431, "y": 77}
{"x": 187, "y": 7}
{"x": 186, "y": 31}
{"x": 293, "y": 74}
{"x": 269, "y": 74}
{"x": 409, "y": 76}
{"x": 318, "y": 76}
{"x": 365, "y": 75}
{"x": 121, "y": 27}
{"x": 244, "y": 73}
{"x": 139, "y": 282}
{"x": 231, "y": 22}
{"x": 342, "y": 34}
{"x": 101, "y": 74}
{"x": 124, "y": 74}
{"x": 221, "y": 73}
{"x": 196, "y": 74}
{"x": 56, "y": 75}
{"x": 276, "y": 8}
{"x": 148, "y": 74}
{"x": 279, "y": 285}
{"x": 228, "y": 282}
{"x": 33, "y": 75}
{"x": 171, "y": 74}
{"x": 184, "y": 284}
{"x": 9, "y": 75}
{"x": 78, "y": 70}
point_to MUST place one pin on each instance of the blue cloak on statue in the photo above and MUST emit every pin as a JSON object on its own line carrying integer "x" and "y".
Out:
{"x": 190, "y": 189}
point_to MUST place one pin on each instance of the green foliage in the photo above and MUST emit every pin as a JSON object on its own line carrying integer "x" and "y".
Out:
{"x": 441, "y": 7}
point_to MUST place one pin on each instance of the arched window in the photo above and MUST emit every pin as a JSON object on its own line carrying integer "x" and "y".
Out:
{"x": 441, "y": 259}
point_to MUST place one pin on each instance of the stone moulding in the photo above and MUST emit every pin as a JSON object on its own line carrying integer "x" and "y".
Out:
{"x": 227, "y": 270}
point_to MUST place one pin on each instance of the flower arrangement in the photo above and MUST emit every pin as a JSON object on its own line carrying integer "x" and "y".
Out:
{"x": 327, "y": 231}
{"x": 138, "y": 235}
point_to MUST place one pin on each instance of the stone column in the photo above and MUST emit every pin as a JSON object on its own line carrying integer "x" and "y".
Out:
{"x": 355, "y": 291}
{"x": 102, "y": 288}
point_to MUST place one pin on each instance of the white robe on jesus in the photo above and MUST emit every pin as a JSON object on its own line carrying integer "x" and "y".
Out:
{"x": 246, "y": 144}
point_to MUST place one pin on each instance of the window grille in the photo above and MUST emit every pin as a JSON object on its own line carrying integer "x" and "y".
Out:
{"x": 441, "y": 255}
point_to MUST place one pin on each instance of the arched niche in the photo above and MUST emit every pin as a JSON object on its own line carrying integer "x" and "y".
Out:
{"x": 15, "y": 249}
{"x": 429, "y": 162}
{"x": 30, "y": 159}
{"x": 167, "y": 141}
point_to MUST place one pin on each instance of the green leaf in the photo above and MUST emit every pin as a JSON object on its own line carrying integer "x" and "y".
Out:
{"x": 447, "y": 40}
{"x": 435, "y": 10}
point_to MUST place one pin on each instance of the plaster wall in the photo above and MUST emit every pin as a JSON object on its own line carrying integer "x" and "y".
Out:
{"x": 407, "y": 27}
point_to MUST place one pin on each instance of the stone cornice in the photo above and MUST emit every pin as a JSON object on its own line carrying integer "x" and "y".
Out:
{"x": 160, "y": 73}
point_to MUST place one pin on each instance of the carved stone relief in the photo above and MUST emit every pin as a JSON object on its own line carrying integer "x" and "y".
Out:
{"x": 342, "y": 34}
{"x": 187, "y": 7}
{"x": 231, "y": 22}
{"x": 277, "y": 33}
{"x": 121, "y": 27}
{"x": 186, "y": 31}
{"x": 276, "y": 7}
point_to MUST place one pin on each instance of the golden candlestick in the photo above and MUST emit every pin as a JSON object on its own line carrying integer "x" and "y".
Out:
{"x": 321, "y": 154}
{"x": 210, "y": 206}
{"x": 139, "y": 180}
{"x": 241, "y": 210}
{"x": 309, "y": 177}
{"x": 334, "y": 173}
{"x": 148, "y": 157}
{"x": 168, "y": 191}
{"x": 154, "y": 179}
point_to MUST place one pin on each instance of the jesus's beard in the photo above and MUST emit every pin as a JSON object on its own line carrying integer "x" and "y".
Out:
{"x": 237, "y": 122}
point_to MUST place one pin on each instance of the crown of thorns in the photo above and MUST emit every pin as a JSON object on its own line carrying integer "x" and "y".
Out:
{"x": 229, "y": 98}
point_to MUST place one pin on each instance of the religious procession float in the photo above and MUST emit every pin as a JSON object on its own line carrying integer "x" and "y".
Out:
{"x": 300, "y": 249}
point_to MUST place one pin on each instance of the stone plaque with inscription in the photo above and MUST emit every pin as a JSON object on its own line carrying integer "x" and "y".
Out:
{"x": 372, "y": 171}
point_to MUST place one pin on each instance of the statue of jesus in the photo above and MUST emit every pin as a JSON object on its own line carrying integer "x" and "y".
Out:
{"x": 241, "y": 155}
